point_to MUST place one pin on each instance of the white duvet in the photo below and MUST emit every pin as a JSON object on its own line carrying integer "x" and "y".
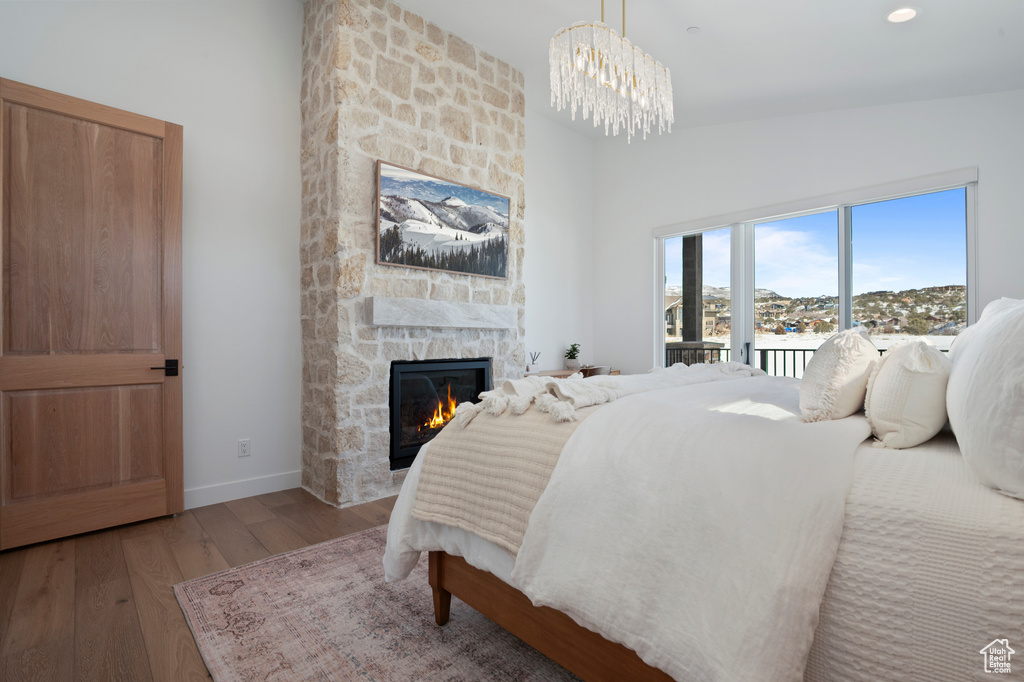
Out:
{"x": 696, "y": 525}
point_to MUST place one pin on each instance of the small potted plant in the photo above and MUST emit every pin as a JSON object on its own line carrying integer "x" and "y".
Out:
{"x": 572, "y": 353}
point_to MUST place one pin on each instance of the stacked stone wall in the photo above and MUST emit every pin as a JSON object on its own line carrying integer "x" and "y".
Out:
{"x": 379, "y": 82}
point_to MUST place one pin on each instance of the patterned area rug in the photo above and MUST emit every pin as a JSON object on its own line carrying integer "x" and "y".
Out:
{"x": 325, "y": 613}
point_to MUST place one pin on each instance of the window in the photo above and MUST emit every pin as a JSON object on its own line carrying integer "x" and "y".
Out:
{"x": 772, "y": 290}
{"x": 910, "y": 267}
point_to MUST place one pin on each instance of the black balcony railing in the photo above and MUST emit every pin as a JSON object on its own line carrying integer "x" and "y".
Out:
{"x": 694, "y": 352}
{"x": 778, "y": 362}
{"x": 783, "y": 362}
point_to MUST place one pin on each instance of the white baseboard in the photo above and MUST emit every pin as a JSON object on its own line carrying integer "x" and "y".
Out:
{"x": 225, "y": 492}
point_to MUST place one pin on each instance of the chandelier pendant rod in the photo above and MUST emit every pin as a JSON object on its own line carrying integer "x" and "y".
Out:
{"x": 623, "y": 16}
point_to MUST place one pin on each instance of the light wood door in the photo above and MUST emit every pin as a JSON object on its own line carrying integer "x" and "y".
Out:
{"x": 90, "y": 423}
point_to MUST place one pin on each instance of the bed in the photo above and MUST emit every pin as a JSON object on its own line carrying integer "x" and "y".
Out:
{"x": 911, "y": 576}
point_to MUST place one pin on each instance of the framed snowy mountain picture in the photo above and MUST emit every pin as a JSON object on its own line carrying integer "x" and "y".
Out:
{"x": 434, "y": 224}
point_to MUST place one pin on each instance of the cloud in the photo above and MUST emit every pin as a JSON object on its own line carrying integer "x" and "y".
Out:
{"x": 796, "y": 262}
{"x": 401, "y": 173}
{"x": 887, "y": 269}
{"x": 716, "y": 255}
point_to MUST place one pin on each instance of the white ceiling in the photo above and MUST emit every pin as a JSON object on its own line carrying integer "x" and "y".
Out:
{"x": 761, "y": 58}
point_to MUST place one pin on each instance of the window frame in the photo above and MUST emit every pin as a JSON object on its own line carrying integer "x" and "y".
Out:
{"x": 742, "y": 235}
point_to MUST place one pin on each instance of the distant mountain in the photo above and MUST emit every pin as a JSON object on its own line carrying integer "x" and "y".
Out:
{"x": 399, "y": 209}
{"x": 448, "y": 234}
{"x": 716, "y": 292}
{"x": 477, "y": 219}
{"x": 720, "y": 292}
{"x": 446, "y": 225}
{"x": 439, "y": 191}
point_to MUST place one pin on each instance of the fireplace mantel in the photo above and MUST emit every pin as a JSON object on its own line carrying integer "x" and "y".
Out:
{"x": 382, "y": 311}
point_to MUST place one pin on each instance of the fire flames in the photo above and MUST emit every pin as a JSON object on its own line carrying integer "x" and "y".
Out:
{"x": 443, "y": 413}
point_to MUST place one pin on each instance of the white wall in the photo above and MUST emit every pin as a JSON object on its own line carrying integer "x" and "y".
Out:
{"x": 228, "y": 72}
{"x": 702, "y": 172}
{"x": 559, "y": 270}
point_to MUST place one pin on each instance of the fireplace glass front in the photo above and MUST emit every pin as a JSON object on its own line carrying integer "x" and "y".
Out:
{"x": 423, "y": 399}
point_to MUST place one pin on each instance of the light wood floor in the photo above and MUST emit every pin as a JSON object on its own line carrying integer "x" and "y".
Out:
{"x": 100, "y": 606}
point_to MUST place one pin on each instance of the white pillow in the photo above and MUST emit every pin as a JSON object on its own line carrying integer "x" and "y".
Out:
{"x": 991, "y": 311}
{"x": 836, "y": 378}
{"x": 906, "y": 397}
{"x": 985, "y": 397}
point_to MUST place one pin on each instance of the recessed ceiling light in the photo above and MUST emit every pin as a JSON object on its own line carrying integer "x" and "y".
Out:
{"x": 902, "y": 14}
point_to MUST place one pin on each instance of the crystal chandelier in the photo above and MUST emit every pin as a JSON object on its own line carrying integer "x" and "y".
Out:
{"x": 595, "y": 68}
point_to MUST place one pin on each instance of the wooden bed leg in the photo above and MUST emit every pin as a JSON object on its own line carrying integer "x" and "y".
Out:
{"x": 442, "y": 597}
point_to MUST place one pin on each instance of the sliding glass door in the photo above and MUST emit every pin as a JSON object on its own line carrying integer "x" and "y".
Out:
{"x": 796, "y": 290}
{"x": 697, "y": 297}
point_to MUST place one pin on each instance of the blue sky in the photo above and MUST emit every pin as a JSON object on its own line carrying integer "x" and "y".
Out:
{"x": 910, "y": 243}
{"x": 900, "y": 244}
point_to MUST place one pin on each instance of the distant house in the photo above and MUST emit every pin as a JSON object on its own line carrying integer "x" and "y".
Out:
{"x": 674, "y": 315}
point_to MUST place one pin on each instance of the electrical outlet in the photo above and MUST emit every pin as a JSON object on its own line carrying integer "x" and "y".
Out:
{"x": 243, "y": 447}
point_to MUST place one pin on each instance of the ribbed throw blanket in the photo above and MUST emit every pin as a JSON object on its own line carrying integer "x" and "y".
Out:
{"x": 487, "y": 477}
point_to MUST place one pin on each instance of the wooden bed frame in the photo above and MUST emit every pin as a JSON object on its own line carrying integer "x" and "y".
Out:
{"x": 547, "y": 630}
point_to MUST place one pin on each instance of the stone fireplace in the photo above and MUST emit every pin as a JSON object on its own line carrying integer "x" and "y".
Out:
{"x": 381, "y": 83}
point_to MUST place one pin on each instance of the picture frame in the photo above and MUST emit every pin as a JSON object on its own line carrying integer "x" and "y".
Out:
{"x": 429, "y": 223}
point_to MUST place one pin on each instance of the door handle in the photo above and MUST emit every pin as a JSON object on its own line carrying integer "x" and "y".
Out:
{"x": 170, "y": 368}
